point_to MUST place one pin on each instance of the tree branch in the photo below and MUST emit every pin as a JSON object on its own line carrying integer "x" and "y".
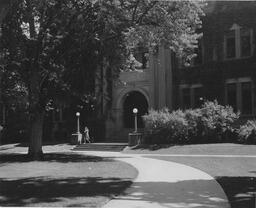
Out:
{"x": 42, "y": 81}
{"x": 32, "y": 31}
{"x": 135, "y": 9}
{"x": 146, "y": 11}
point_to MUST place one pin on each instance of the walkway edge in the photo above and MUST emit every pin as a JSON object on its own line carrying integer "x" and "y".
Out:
{"x": 166, "y": 184}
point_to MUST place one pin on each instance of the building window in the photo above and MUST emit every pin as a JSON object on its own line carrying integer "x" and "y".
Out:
{"x": 186, "y": 98}
{"x": 232, "y": 95}
{"x": 214, "y": 54}
{"x": 191, "y": 96}
{"x": 245, "y": 43}
{"x": 238, "y": 42}
{"x": 246, "y": 94}
{"x": 198, "y": 97}
{"x": 239, "y": 95}
{"x": 231, "y": 44}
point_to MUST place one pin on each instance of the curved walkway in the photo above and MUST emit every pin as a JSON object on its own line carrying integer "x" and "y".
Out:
{"x": 166, "y": 184}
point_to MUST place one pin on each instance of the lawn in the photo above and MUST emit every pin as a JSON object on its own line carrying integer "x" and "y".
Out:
{"x": 61, "y": 179}
{"x": 210, "y": 149}
{"x": 236, "y": 175}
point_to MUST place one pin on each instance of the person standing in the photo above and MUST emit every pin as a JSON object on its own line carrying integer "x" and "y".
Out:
{"x": 86, "y": 135}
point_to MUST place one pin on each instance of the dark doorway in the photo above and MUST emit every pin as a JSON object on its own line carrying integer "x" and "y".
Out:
{"x": 134, "y": 100}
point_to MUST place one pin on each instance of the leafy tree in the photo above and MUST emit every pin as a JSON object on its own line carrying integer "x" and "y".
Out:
{"x": 53, "y": 48}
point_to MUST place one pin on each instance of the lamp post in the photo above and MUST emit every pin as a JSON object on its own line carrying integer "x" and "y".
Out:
{"x": 78, "y": 125}
{"x": 135, "y": 111}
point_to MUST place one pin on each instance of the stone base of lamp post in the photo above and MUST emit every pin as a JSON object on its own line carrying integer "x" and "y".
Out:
{"x": 134, "y": 138}
{"x": 76, "y": 138}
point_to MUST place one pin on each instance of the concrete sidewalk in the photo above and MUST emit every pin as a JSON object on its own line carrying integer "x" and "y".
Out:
{"x": 166, "y": 184}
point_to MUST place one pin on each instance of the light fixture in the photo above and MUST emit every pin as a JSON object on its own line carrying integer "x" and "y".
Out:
{"x": 135, "y": 110}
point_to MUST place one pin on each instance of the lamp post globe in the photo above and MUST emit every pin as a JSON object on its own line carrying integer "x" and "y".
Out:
{"x": 135, "y": 110}
{"x": 77, "y": 114}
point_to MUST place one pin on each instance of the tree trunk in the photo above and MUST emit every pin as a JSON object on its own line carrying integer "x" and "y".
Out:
{"x": 36, "y": 132}
{"x": 36, "y": 117}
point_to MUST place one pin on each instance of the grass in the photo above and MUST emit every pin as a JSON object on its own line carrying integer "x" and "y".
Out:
{"x": 210, "y": 149}
{"x": 62, "y": 179}
{"x": 236, "y": 175}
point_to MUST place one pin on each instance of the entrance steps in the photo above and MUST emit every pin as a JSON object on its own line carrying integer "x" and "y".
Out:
{"x": 112, "y": 147}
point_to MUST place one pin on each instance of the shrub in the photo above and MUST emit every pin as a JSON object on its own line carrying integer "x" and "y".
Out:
{"x": 211, "y": 123}
{"x": 177, "y": 126}
{"x": 247, "y": 132}
{"x": 156, "y": 125}
{"x": 216, "y": 121}
{"x": 165, "y": 127}
{"x": 193, "y": 117}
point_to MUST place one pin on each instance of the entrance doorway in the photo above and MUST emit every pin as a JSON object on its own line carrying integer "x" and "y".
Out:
{"x": 134, "y": 100}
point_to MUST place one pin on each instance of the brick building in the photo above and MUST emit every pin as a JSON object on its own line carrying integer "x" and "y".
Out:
{"x": 225, "y": 66}
{"x": 224, "y": 69}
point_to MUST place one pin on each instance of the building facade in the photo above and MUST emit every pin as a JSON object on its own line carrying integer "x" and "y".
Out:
{"x": 225, "y": 67}
{"x": 145, "y": 88}
{"x": 224, "y": 70}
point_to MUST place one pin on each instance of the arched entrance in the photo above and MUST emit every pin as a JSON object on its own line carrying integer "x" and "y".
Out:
{"x": 132, "y": 100}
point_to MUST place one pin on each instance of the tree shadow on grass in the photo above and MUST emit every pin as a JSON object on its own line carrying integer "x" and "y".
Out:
{"x": 52, "y": 157}
{"x": 151, "y": 147}
{"x": 196, "y": 193}
{"x": 39, "y": 190}
{"x": 188, "y": 193}
{"x": 241, "y": 191}
{"x": 182, "y": 194}
{"x": 24, "y": 144}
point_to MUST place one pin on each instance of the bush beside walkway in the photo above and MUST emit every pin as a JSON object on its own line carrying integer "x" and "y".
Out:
{"x": 210, "y": 123}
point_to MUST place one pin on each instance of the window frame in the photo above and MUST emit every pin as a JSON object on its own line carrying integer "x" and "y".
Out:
{"x": 191, "y": 88}
{"x": 238, "y": 82}
{"x": 226, "y": 37}
{"x": 251, "y": 42}
{"x": 238, "y": 47}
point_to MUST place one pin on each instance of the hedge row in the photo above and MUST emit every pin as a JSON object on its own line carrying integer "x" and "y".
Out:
{"x": 210, "y": 123}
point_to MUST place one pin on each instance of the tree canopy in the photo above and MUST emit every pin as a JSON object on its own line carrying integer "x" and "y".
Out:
{"x": 51, "y": 48}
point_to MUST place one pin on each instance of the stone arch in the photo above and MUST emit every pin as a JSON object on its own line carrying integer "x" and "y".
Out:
{"x": 118, "y": 104}
{"x": 134, "y": 99}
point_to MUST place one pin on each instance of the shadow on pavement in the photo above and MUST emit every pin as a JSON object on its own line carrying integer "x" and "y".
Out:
{"x": 195, "y": 193}
{"x": 52, "y": 157}
{"x": 241, "y": 191}
{"x": 182, "y": 194}
{"x": 39, "y": 190}
{"x": 188, "y": 193}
